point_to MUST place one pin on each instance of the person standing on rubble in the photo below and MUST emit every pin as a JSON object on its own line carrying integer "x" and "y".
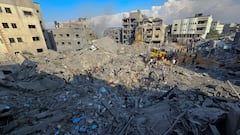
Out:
{"x": 46, "y": 59}
{"x": 152, "y": 62}
{"x": 172, "y": 64}
{"x": 184, "y": 59}
{"x": 158, "y": 58}
{"x": 163, "y": 72}
{"x": 125, "y": 94}
{"x": 174, "y": 61}
{"x": 194, "y": 59}
{"x": 89, "y": 75}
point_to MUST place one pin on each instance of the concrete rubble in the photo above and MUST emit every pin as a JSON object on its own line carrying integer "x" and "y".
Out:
{"x": 101, "y": 91}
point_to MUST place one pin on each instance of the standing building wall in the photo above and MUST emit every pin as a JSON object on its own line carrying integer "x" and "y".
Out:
{"x": 46, "y": 33}
{"x": 151, "y": 30}
{"x": 20, "y": 27}
{"x": 216, "y": 25}
{"x": 129, "y": 26}
{"x": 73, "y": 33}
{"x": 3, "y": 51}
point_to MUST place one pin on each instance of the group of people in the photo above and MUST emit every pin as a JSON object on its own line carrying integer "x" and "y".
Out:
{"x": 160, "y": 64}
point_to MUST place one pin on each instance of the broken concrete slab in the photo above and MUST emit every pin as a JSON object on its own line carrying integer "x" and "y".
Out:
{"x": 233, "y": 121}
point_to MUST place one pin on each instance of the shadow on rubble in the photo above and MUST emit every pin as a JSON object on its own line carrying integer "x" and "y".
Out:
{"x": 40, "y": 103}
{"x": 214, "y": 72}
{"x": 218, "y": 64}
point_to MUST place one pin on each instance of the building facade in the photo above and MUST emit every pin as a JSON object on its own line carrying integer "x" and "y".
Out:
{"x": 46, "y": 33}
{"x": 216, "y": 25}
{"x": 193, "y": 27}
{"x": 150, "y": 31}
{"x": 114, "y": 33}
{"x": 129, "y": 26}
{"x": 21, "y": 27}
{"x": 73, "y": 33}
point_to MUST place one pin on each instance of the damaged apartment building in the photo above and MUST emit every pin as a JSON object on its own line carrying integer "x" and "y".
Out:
{"x": 192, "y": 27}
{"x": 150, "y": 31}
{"x": 20, "y": 28}
{"x": 114, "y": 33}
{"x": 216, "y": 25}
{"x": 129, "y": 26}
{"x": 73, "y": 33}
{"x": 138, "y": 29}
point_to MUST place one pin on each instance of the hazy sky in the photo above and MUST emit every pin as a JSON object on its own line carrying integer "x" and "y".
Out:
{"x": 109, "y": 13}
{"x": 63, "y": 10}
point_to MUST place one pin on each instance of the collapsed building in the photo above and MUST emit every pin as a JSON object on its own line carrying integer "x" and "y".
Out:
{"x": 102, "y": 92}
{"x": 21, "y": 28}
{"x": 237, "y": 38}
{"x": 114, "y": 33}
{"x": 231, "y": 29}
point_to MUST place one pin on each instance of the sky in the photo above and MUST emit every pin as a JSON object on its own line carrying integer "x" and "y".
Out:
{"x": 109, "y": 13}
{"x": 63, "y": 10}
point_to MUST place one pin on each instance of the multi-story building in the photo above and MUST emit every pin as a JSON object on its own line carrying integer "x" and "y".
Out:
{"x": 114, "y": 33}
{"x": 46, "y": 33}
{"x": 150, "y": 31}
{"x": 216, "y": 25}
{"x": 20, "y": 27}
{"x": 129, "y": 26}
{"x": 73, "y": 33}
{"x": 192, "y": 27}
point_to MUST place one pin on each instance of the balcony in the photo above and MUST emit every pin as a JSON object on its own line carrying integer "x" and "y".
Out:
{"x": 203, "y": 18}
{"x": 199, "y": 32}
{"x": 202, "y": 25}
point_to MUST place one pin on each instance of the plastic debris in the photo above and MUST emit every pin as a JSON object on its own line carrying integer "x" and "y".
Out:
{"x": 76, "y": 120}
{"x": 102, "y": 90}
{"x": 76, "y": 127}
{"x": 79, "y": 102}
{"x": 94, "y": 126}
{"x": 90, "y": 121}
{"x": 83, "y": 129}
{"x": 57, "y": 133}
{"x": 7, "y": 107}
{"x": 26, "y": 105}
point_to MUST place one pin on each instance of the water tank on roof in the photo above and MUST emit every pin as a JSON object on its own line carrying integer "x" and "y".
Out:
{"x": 198, "y": 14}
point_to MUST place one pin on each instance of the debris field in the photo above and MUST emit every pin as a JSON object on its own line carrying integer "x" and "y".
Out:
{"x": 107, "y": 89}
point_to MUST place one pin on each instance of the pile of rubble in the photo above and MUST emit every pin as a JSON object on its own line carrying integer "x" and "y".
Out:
{"x": 79, "y": 93}
{"x": 225, "y": 56}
